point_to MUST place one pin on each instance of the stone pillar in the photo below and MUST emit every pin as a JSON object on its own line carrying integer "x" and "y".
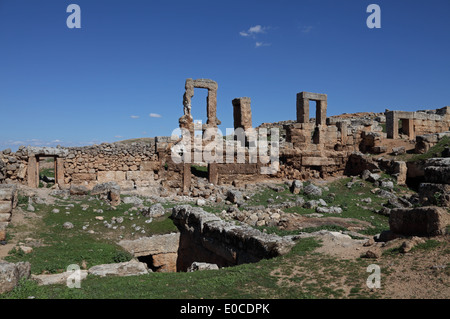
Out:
{"x": 186, "y": 178}
{"x": 391, "y": 125}
{"x": 321, "y": 112}
{"x": 213, "y": 175}
{"x": 342, "y": 127}
{"x": 242, "y": 113}
{"x": 59, "y": 171}
{"x": 302, "y": 109}
{"x": 211, "y": 108}
{"x": 32, "y": 173}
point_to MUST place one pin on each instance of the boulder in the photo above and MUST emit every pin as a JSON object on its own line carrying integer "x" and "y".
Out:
{"x": 234, "y": 196}
{"x": 57, "y": 279}
{"x": 156, "y": 210}
{"x": 129, "y": 268}
{"x": 398, "y": 150}
{"x": 78, "y": 190}
{"x": 419, "y": 221}
{"x": 199, "y": 266}
{"x": 11, "y": 273}
{"x": 296, "y": 187}
{"x": 109, "y": 191}
{"x": 312, "y": 190}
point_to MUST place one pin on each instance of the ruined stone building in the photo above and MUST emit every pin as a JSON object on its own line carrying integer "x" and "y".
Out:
{"x": 309, "y": 147}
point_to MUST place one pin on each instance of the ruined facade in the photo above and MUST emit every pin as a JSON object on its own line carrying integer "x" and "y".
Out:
{"x": 417, "y": 123}
{"x": 308, "y": 147}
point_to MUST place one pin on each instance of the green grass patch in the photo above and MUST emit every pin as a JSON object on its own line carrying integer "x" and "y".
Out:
{"x": 435, "y": 151}
{"x": 61, "y": 247}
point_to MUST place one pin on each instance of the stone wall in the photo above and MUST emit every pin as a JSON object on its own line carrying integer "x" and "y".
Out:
{"x": 13, "y": 166}
{"x": 417, "y": 123}
{"x": 128, "y": 165}
{"x": 204, "y": 237}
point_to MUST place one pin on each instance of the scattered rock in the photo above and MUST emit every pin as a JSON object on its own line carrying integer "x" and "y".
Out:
{"x": 78, "y": 190}
{"x": 312, "y": 190}
{"x": 129, "y": 268}
{"x": 398, "y": 150}
{"x": 234, "y": 196}
{"x": 54, "y": 279}
{"x": 296, "y": 187}
{"x": 372, "y": 254}
{"x": 133, "y": 200}
{"x": 201, "y": 202}
{"x": 199, "y": 266}
{"x": 11, "y": 273}
{"x": 68, "y": 225}
{"x": 156, "y": 210}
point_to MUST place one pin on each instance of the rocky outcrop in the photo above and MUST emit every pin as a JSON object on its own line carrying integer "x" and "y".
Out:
{"x": 207, "y": 238}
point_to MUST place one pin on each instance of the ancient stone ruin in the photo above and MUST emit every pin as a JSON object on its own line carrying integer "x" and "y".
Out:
{"x": 307, "y": 148}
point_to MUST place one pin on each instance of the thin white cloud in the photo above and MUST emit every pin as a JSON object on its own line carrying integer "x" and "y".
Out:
{"x": 262, "y": 44}
{"x": 118, "y": 136}
{"x": 155, "y": 115}
{"x": 253, "y": 30}
{"x": 134, "y": 116}
{"x": 307, "y": 29}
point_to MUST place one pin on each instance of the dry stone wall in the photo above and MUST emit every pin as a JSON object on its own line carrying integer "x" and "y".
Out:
{"x": 128, "y": 165}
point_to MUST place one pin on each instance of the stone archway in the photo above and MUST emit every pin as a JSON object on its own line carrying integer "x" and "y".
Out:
{"x": 187, "y": 122}
{"x": 34, "y": 156}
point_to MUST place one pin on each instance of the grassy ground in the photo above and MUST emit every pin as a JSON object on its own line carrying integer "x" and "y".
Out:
{"x": 296, "y": 275}
{"x": 301, "y": 274}
{"x": 58, "y": 247}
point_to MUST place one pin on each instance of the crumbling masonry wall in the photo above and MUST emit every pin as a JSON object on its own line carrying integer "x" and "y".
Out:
{"x": 417, "y": 123}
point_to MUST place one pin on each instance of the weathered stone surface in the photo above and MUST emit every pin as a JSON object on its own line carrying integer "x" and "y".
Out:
{"x": 156, "y": 210}
{"x": 158, "y": 244}
{"x": 434, "y": 194}
{"x": 242, "y": 113}
{"x": 234, "y": 196}
{"x": 398, "y": 150}
{"x": 55, "y": 279}
{"x": 199, "y": 266}
{"x": 109, "y": 191}
{"x": 420, "y": 221}
{"x": 10, "y": 274}
{"x": 207, "y": 238}
{"x": 437, "y": 170}
{"x": 78, "y": 190}
{"x": 111, "y": 176}
{"x": 5, "y": 207}
{"x": 296, "y": 187}
{"x": 129, "y": 268}
{"x": 312, "y": 190}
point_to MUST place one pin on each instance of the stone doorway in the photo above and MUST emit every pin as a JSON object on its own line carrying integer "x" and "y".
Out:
{"x": 38, "y": 155}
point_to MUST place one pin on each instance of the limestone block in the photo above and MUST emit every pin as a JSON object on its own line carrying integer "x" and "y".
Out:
{"x": 150, "y": 166}
{"x": 81, "y": 177}
{"x": 165, "y": 262}
{"x": 5, "y": 217}
{"x": 420, "y": 221}
{"x": 5, "y": 207}
{"x": 111, "y": 176}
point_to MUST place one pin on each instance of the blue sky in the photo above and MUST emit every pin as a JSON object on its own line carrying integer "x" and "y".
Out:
{"x": 131, "y": 58}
